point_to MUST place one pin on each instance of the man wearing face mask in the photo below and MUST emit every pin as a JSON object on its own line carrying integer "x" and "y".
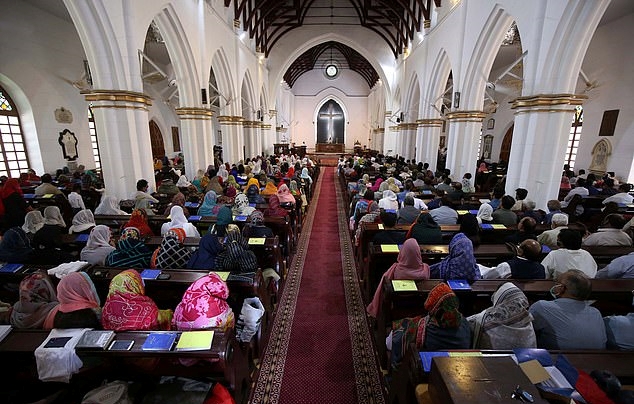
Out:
{"x": 568, "y": 322}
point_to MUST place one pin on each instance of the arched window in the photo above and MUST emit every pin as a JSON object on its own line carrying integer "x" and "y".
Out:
{"x": 13, "y": 158}
{"x": 93, "y": 139}
{"x": 574, "y": 137}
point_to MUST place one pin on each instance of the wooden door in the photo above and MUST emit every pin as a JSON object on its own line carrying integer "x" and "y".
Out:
{"x": 505, "y": 150}
{"x": 156, "y": 137}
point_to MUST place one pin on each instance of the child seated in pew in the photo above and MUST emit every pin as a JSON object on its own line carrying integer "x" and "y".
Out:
{"x": 127, "y": 308}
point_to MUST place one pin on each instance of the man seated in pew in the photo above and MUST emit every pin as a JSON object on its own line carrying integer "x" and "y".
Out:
{"x": 528, "y": 210}
{"x": 610, "y": 234}
{"x": 568, "y": 322}
{"x": 408, "y": 213}
{"x": 127, "y": 308}
{"x": 418, "y": 203}
{"x": 558, "y": 223}
{"x": 456, "y": 195}
{"x": 620, "y": 331}
{"x": 496, "y": 201}
{"x": 505, "y": 325}
{"x": 554, "y": 207}
{"x": 459, "y": 264}
{"x": 390, "y": 236}
{"x": 46, "y": 187}
{"x": 141, "y": 193}
{"x": 437, "y": 200}
{"x": 255, "y": 226}
{"x": 620, "y": 268}
{"x": 504, "y": 215}
{"x": 623, "y": 197}
{"x": 98, "y": 246}
{"x": 425, "y": 230}
{"x": 568, "y": 256}
{"x": 525, "y": 231}
{"x": 444, "y": 214}
{"x": 525, "y": 265}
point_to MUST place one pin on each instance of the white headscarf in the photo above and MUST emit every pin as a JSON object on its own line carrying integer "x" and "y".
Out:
{"x": 83, "y": 220}
{"x": 98, "y": 246}
{"x": 33, "y": 221}
{"x": 109, "y": 206}
{"x": 53, "y": 216}
{"x": 484, "y": 213}
{"x": 183, "y": 182}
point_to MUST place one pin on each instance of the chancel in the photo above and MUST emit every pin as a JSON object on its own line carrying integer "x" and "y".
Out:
{"x": 330, "y": 123}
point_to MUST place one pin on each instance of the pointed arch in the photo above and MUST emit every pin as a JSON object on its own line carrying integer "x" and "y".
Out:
{"x": 247, "y": 96}
{"x": 319, "y": 104}
{"x": 411, "y": 104}
{"x": 222, "y": 73}
{"x": 437, "y": 84}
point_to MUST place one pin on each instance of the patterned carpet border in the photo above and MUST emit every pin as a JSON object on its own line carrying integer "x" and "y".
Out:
{"x": 370, "y": 387}
{"x": 269, "y": 382}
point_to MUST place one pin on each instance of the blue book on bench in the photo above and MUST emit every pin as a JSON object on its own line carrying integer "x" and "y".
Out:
{"x": 390, "y": 210}
{"x": 240, "y": 218}
{"x": 458, "y": 284}
{"x": 546, "y": 249}
{"x": 252, "y": 205}
{"x": 11, "y": 268}
{"x": 28, "y": 196}
{"x": 82, "y": 238}
{"x": 191, "y": 204}
{"x": 473, "y": 211}
{"x": 195, "y": 218}
{"x": 150, "y": 273}
{"x": 159, "y": 341}
{"x": 426, "y": 358}
{"x": 486, "y": 226}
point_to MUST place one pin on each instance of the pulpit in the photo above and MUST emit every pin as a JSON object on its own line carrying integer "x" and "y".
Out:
{"x": 330, "y": 148}
{"x": 280, "y": 148}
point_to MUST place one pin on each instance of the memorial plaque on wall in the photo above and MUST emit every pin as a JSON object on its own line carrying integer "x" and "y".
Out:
{"x": 608, "y": 123}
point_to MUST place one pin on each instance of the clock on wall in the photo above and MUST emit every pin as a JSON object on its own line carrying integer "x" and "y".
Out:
{"x": 331, "y": 71}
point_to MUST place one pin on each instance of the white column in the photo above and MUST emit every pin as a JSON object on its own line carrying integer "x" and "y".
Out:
{"x": 428, "y": 141}
{"x": 408, "y": 133}
{"x": 462, "y": 141}
{"x": 195, "y": 126}
{"x": 232, "y": 139}
{"x": 540, "y": 138}
{"x": 121, "y": 118}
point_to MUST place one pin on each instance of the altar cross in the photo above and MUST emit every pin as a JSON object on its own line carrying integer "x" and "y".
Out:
{"x": 331, "y": 115}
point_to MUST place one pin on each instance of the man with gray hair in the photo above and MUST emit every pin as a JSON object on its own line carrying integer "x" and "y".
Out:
{"x": 568, "y": 322}
{"x": 549, "y": 237}
{"x": 554, "y": 206}
{"x": 408, "y": 213}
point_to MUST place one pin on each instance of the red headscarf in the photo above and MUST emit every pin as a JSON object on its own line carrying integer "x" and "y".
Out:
{"x": 10, "y": 186}
{"x": 139, "y": 221}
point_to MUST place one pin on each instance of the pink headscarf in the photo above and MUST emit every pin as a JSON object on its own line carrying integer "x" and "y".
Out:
{"x": 75, "y": 292}
{"x": 204, "y": 305}
{"x": 377, "y": 184}
{"x": 409, "y": 265}
{"x": 284, "y": 194}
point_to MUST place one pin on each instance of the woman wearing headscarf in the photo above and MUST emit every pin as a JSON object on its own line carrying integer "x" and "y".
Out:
{"x": 294, "y": 189}
{"x": 179, "y": 221}
{"x": 253, "y": 195}
{"x": 37, "y": 299}
{"x": 205, "y": 256}
{"x": 98, "y": 246}
{"x": 48, "y": 240}
{"x": 183, "y": 182}
{"x": 444, "y": 327}
{"x": 177, "y": 200}
{"x": 172, "y": 253}
{"x": 127, "y": 308}
{"x": 274, "y": 208}
{"x": 198, "y": 181}
{"x": 377, "y": 184}
{"x": 389, "y": 201}
{"x": 79, "y": 305}
{"x": 460, "y": 264}
{"x": 223, "y": 172}
{"x": 223, "y": 222}
{"x": 15, "y": 247}
{"x": 109, "y": 205}
{"x": 14, "y": 204}
{"x": 236, "y": 256}
{"x": 252, "y": 181}
{"x": 138, "y": 220}
{"x": 270, "y": 188}
{"x": 209, "y": 207}
{"x": 409, "y": 265}
{"x": 83, "y": 222}
{"x": 425, "y": 230}
{"x": 255, "y": 226}
{"x": 204, "y": 305}
{"x": 131, "y": 252}
{"x": 284, "y": 194}
{"x": 231, "y": 180}
{"x": 241, "y": 206}
{"x": 484, "y": 215}
{"x": 33, "y": 221}
{"x": 505, "y": 325}
{"x": 306, "y": 176}
{"x": 215, "y": 185}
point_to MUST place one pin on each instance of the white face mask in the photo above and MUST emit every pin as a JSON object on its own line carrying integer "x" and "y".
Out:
{"x": 552, "y": 292}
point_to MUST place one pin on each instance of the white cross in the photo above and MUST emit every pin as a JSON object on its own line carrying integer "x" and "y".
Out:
{"x": 331, "y": 116}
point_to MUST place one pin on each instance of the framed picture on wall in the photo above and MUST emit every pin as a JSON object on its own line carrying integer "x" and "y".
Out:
{"x": 487, "y": 146}
{"x": 491, "y": 123}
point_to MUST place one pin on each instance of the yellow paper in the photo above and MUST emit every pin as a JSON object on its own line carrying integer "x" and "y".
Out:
{"x": 222, "y": 275}
{"x": 195, "y": 341}
{"x": 462, "y": 212}
{"x": 47, "y": 196}
{"x": 404, "y": 285}
{"x": 498, "y": 226}
{"x": 389, "y": 248}
{"x": 534, "y": 371}
{"x": 380, "y": 226}
{"x": 463, "y": 354}
{"x": 257, "y": 240}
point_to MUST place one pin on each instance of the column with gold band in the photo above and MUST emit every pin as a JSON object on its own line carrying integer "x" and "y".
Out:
{"x": 407, "y": 131}
{"x": 252, "y": 130}
{"x": 462, "y": 141}
{"x": 428, "y": 140}
{"x": 540, "y": 138}
{"x": 196, "y": 138}
{"x": 232, "y": 137}
{"x": 121, "y": 118}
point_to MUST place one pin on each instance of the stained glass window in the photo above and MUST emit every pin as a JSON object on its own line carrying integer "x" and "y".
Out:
{"x": 13, "y": 159}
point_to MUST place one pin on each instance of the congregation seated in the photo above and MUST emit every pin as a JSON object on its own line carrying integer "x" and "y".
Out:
{"x": 127, "y": 308}
{"x": 391, "y": 236}
{"x": 179, "y": 221}
{"x": 131, "y": 251}
{"x": 610, "y": 234}
{"x": 620, "y": 332}
{"x": 388, "y": 201}
{"x": 459, "y": 264}
{"x": 579, "y": 189}
{"x": 109, "y": 205}
{"x": 172, "y": 253}
{"x": 425, "y": 230}
{"x": 98, "y": 246}
{"x": 525, "y": 265}
{"x": 37, "y": 297}
{"x": 141, "y": 196}
{"x": 525, "y": 231}
{"x": 83, "y": 222}
{"x": 620, "y": 268}
{"x": 13, "y": 202}
{"x": 236, "y": 256}
{"x": 177, "y": 200}
{"x": 568, "y": 322}
{"x": 484, "y": 215}
{"x": 46, "y": 187}
{"x": 569, "y": 255}
{"x": 79, "y": 305}
{"x": 168, "y": 188}
{"x": 504, "y": 215}
{"x": 33, "y": 221}
{"x": 621, "y": 198}
{"x": 210, "y": 206}
{"x": 505, "y": 325}
{"x": 470, "y": 227}
{"x": 549, "y": 237}
{"x": 255, "y": 226}
{"x": 205, "y": 256}
{"x": 444, "y": 214}
{"x": 48, "y": 241}
{"x": 554, "y": 207}
{"x": 408, "y": 265}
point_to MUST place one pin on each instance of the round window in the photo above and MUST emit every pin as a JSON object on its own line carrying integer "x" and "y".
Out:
{"x": 332, "y": 71}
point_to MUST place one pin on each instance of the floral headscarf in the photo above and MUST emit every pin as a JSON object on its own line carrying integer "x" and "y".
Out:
{"x": 204, "y": 305}
{"x": 37, "y": 299}
{"x": 128, "y": 309}
{"x": 241, "y": 206}
{"x": 138, "y": 220}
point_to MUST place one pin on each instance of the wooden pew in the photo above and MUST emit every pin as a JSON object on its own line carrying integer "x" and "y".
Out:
{"x": 410, "y": 373}
{"x": 225, "y": 361}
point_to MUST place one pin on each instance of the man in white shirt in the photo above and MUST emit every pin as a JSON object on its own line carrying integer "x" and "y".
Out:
{"x": 623, "y": 197}
{"x": 611, "y": 234}
{"x": 549, "y": 237}
{"x": 141, "y": 192}
{"x": 579, "y": 189}
{"x": 569, "y": 256}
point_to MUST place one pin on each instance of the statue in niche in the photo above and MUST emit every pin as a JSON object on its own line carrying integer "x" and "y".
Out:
{"x": 68, "y": 141}
{"x": 600, "y": 155}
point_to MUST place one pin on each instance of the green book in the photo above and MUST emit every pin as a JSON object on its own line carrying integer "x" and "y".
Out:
{"x": 403, "y": 285}
{"x": 195, "y": 341}
{"x": 222, "y": 275}
{"x": 257, "y": 240}
{"x": 389, "y": 248}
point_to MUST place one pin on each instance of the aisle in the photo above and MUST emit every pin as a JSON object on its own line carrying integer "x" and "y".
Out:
{"x": 320, "y": 347}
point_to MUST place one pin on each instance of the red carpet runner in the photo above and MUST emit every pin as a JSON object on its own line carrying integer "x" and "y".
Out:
{"x": 320, "y": 348}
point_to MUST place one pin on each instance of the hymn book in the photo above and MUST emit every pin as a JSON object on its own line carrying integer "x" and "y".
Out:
{"x": 400, "y": 285}
{"x": 159, "y": 341}
{"x": 95, "y": 339}
{"x": 195, "y": 341}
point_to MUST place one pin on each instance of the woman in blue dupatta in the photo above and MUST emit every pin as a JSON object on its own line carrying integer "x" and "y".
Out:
{"x": 460, "y": 264}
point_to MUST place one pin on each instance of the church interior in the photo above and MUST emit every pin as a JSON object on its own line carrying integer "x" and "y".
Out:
{"x": 115, "y": 86}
